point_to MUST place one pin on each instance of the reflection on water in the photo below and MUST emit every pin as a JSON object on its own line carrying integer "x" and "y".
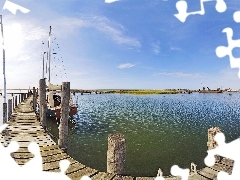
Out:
{"x": 160, "y": 130}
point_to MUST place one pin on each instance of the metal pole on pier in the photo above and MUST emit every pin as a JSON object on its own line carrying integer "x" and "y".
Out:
{"x": 49, "y": 53}
{"x": 43, "y": 65}
{"x": 4, "y": 77}
{"x": 63, "y": 127}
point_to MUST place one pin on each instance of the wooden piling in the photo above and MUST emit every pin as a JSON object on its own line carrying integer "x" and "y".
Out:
{"x": 34, "y": 99}
{"x": 116, "y": 154}
{"x": 13, "y": 105}
{"x": 16, "y": 101}
{"x": 19, "y": 99}
{"x": 9, "y": 109}
{"x": 63, "y": 126}
{"x": 42, "y": 103}
{"x": 4, "y": 113}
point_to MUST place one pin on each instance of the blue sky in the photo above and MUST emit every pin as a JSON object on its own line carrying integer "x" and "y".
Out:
{"x": 128, "y": 44}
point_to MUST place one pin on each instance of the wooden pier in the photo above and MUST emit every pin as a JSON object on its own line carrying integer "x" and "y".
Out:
{"x": 24, "y": 128}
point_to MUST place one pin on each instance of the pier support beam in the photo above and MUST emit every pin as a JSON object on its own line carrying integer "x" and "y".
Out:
{"x": 9, "y": 109}
{"x": 116, "y": 154}
{"x": 63, "y": 126}
{"x": 4, "y": 113}
{"x": 42, "y": 103}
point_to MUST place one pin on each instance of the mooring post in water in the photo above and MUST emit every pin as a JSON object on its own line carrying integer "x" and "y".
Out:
{"x": 9, "y": 109}
{"x": 34, "y": 99}
{"x": 4, "y": 113}
{"x": 63, "y": 126}
{"x": 212, "y": 143}
{"x": 42, "y": 103}
{"x": 116, "y": 154}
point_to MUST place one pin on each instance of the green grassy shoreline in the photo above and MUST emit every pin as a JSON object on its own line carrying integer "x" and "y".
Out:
{"x": 144, "y": 92}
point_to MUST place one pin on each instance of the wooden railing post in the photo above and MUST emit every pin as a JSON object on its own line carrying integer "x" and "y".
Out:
{"x": 9, "y": 109}
{"x": 63, "y": 126}
{"x": 16, "y": 101}
{"x": 4, "y": 113}
{"x": 116, "y": 154}
{"x": 34, "y": 99}
{"x": 21, "y": 97}
{"x": 42, "y": 102}
{"x": 13, "y": 105}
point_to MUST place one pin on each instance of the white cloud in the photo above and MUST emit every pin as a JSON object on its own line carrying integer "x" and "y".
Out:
{"x": 176, "y": 49}
{"x": 110, "y": 1}
{"x": 124, "y": 66}
{"x": 115, "y": 31}
{"x": 180, "y": 74}
{"x": 156, "y": 48}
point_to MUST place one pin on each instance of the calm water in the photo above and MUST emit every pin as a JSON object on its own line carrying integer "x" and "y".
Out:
{"x": 160, "y": 130}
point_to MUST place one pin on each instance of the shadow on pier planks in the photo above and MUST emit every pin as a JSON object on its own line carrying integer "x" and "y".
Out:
{"x": 25, "y": 128}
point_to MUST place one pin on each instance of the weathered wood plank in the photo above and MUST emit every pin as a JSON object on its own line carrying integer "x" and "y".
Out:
{"x": 102, "y": 176}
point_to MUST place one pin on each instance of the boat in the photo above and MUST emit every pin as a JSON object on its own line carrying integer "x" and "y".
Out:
{"x": 53, "y": 92}
{"x": 210, "y": 91}
{"x": 54, "y": 103}
{"x": 218, "y": 90}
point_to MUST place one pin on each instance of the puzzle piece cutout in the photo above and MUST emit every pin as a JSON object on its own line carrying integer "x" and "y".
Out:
{"x": 236, "y": 16}
{"x": 177, "y": 171}
{"x": 182, "y": 8}
{"x": 33, "y": 168}
{"x": 12, "y": 7}
{"x": 222, "y": 51}
{"x": 228, "y": 150}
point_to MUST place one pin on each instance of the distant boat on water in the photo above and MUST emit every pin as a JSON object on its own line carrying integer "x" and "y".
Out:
{"x": 210, "y": 91}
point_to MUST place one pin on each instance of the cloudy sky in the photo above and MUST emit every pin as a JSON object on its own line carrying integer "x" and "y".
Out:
{"x": 127, "y": 44}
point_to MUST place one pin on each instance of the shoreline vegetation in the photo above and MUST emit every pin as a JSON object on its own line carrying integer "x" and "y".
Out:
{"x": 145, "y": 91}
